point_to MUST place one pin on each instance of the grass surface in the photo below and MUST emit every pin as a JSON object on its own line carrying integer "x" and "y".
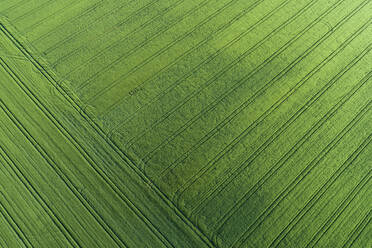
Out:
{"x": 247, "y": 123}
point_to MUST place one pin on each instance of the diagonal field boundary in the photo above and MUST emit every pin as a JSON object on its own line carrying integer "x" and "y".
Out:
{"x": 75, "y": 103}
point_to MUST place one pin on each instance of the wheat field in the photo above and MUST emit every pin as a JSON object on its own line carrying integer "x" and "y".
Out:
{"x": 173, "y": 123}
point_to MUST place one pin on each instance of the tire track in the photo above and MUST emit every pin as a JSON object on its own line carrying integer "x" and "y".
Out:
{"x": 117, "y": 42}
{"x": 16, "y": 5}
{"x": 223, "y": 220}
{"x": 208, "y": 59}
{"x": 70, "y": 185}
{"x": 13, "y": 225}
{"x": 79, "y": 32}
{"x": 98, "y": 170}
{"x": 161, "y": 51}
{"x": 80, "y": 48}
{"x": 317, "y": 196}
{"x": 236, "y": 111}
{"x": 76, "y": 17}
{"x": 75, "y": 103}
{"x": 161, "y": 31}
{"x": 305, "y": 172}
{"x": 41, "y": 21}
{"x": 43, "y": 5}
{"x": 36, "y": 195}
{"x": 354, "y": 235}
{"x": 276, "y": 105}
{"x": 224, "y": 70}
{"x": 341, "y": 208}
{"x": 93, "y": 164}
{"x": 51, "y": 16}
{"x": 230, "y": 177}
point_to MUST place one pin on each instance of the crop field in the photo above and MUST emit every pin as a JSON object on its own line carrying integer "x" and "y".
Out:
{"x": 62, "y": 183}
{"x": 174, "y": 123}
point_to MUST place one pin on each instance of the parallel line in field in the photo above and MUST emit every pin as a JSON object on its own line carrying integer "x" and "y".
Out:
{"x": 261, "y": 182}
{"x": 303, "y": 174}
{"x": 357, "y": 231}
{"x": 256, "y": 123}
{"x": 222, "y": 124}
{"x": 221, "y": 186}
{"x": 220, "y": 223}
{"x": 316, "y": 197}
{"x": 165, "y": 116}
{"x": 12, "y": 56}
{"x": 93, "y": 164}
{"x": 16, "y": 5}
{"x": 76, "y": 50}
{"x": 118, "y": 81}
{"x": 224, "y": 70}
{"x": 79, "y": 32}
{"x": 236, "y": 111}
{"x": 13, "y": 224}
{"x": 282, "y": 161}
{"x": 20, "y": 4}
{"x": 98, "y": 170}
{"x": 340, "y": 209}
{"x": 147, "y": 41}
{"x": 216, "y": 76}
{"x": 51, "y": 16}
{"x": 208, "y": 59}
{"x": 76, "y": 145}
{"x": 75, "y": 103}
{"x": 120, "y": 41}
{"x": 35, "y": 194}
{"x": 32, "y": 11}
{"x": 71, "y": 186}
{"x": 85, "y": 12}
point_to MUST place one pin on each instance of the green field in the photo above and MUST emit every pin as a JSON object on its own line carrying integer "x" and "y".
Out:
{"x": 199, "y": 123}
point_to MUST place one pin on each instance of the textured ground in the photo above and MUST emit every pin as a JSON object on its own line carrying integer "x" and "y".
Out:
{"x": 246, "y": 123}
